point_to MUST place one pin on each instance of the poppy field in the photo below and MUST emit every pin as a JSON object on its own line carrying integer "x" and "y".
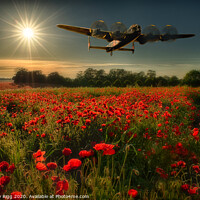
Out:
{"x": 100, "y": 143}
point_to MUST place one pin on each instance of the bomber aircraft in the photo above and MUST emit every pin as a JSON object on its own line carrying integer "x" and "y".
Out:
{"x": 119, "y": 36}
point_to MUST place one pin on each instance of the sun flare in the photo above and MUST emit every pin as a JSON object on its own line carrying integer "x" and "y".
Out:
{"x": 28, "y": 33}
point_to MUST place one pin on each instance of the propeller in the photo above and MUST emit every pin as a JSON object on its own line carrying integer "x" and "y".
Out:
{"x": 169, "y": 30}
{"x": 169, "y": 33}
{"x": 99, "y": 25}
{"x": 151, "y": 33}
{"x": 98, "y": 29}
{"x": 118, "y": 29}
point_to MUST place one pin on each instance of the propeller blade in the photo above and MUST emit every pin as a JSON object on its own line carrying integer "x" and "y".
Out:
{"x": 118, "y": 29}
{"x": 100, "y": 25}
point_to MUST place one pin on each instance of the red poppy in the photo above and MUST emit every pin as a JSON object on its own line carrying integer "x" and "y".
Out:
{"x": 4, "y": 180}
{"x": 181, "y": 163}
{"x": 196, "y": 168}
{"x": 43, "y": 135}
{"x": 67, "y": 168}
{"x": 11, "y": 168}
{"x": 39, "y": 156}
{"x": 174, "y": 165}
{"x": 185, "y": 187}
{"x": 160, "y": 170}
{"x": 55, "y": 178}
{"x": 66, "y": 151}
{"x": 38, "y": 153}
{"x": 109, "y": 152}
{"x": 133, "y": 193}
{"x": 173, "y": 173}
{"x": 4, "y": 165}
{"x": 193, "y": 190}
{"x": 103, "y": 146}
{"x": 41, "y": 167}
{"x": 51, "y": 165}
{"x": 9, "y": 124}
{"x": 84, "y": 153}
{"x": 16, "y": 195}
{"x": 74, "y": 163}
{"x": 62, "y": 185}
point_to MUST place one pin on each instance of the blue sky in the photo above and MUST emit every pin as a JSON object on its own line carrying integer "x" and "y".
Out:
{"x": 67, "y": 53}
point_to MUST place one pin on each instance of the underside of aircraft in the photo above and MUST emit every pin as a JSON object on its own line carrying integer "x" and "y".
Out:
{"x": 119, "y": 36}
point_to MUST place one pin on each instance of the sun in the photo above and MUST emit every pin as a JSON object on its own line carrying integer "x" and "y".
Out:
{"x": 28, "y": 30}
{"x": 28, "y": 33}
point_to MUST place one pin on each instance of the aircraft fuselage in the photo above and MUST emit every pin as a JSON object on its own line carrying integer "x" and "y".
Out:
{"x": 117, "y": 44}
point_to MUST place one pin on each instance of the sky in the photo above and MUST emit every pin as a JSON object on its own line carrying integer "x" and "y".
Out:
{"x": 52, "y": 49}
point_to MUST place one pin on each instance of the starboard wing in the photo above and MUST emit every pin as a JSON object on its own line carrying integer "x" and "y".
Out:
{"x": 81, "y": 30}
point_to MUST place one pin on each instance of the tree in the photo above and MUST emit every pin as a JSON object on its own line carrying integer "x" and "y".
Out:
{"x": 117, "y": 83}
{"x": 192, "y": 78}
{"x": 174, "y": 81}
{"x": 55, "y": 78}
{"x": 151, "y": 74}
{"x": 21, "y": 76}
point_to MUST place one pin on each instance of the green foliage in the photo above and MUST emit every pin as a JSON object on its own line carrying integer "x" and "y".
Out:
{"x": 192, "y": 78}
{"x": 99, "y": 78}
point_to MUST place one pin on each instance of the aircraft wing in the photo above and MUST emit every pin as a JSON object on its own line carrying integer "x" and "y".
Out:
{"x": 142, "y": 39}
{"x": 174, "y": 37}
{"x": 81, "y": 30}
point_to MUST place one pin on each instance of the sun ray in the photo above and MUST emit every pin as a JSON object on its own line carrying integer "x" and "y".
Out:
{"x": 27, "y": 30}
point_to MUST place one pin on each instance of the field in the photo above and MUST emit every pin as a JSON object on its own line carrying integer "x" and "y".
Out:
{"x": 100, "y": 143}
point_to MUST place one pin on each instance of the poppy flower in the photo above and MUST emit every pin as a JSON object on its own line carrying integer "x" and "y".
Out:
{"x": 9, "y": 124}
{"x": 51, "y": 165}
{"x": 66, "y": 151}
{"x": 185, "y": 187}
{"x": 39, "y": 156}
{"x": 67, "y": 168}
{"x": 4, "y": 180}
{"x": 181, "y": 163}
{"x": 72, "y": 164}
{"x": 43, "y": 135}
{"x": 16, "y": 195}
{"x": 85, "y": 154}
{"x": 59, "y": 192}
{"x": 103, "y": 146}
{"x": 62, "y": 185}
{"x": 196, "y": 168}
{"x": 173, "y": 173}
{"x": 55, "y": 178}
{"x": 3, "y": 165}
{"x": 11, "y": 168}
{"x": 193, "y": 190}
{"x": 174, "y": 165}
{"x": 109, "y": 152}
{"x": 41, "y": 167}
{"x": 160, "y": 170}
{"x": 38, "y": 153}
{"x": 133, "y": 193}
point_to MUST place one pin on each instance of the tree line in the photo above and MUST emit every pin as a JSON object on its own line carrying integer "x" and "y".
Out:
{"x": 99, "y": 78}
